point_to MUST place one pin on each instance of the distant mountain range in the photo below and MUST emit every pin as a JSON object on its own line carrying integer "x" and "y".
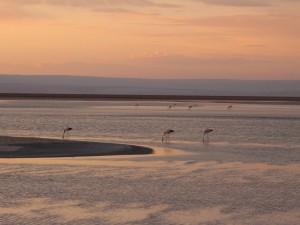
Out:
{"x": 100, "y": 85}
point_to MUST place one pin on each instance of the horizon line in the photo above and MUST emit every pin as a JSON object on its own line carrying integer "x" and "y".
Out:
{"x": 137, "y": 78}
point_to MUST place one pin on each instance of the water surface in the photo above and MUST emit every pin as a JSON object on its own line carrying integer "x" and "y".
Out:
{"x": 247, "y": 126}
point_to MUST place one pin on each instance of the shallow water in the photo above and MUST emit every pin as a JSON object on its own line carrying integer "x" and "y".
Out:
{"x": 246, "y": 126}
{"x": 247, "y": 174}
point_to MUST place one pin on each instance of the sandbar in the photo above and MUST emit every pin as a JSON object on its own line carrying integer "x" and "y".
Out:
{"x": 27, "y": 147}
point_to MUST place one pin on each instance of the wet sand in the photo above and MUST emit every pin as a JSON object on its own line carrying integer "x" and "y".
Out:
{"x": 170, "y": 188}
{"x": 21, "y": 147}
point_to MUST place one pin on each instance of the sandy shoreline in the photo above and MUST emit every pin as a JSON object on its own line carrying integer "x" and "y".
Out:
{"x": 23, "y": 147}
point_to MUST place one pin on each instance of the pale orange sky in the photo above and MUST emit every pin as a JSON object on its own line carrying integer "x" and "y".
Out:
{"x": 205, "y": 39}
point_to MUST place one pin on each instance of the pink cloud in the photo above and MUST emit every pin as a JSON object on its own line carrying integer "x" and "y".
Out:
{"x": 278, "y": 24}
{"x": 237, "y": 3}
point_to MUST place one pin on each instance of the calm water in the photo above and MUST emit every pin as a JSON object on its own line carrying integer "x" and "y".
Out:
{"x": 246, "y": 125}
{"x": 247, "y": 174}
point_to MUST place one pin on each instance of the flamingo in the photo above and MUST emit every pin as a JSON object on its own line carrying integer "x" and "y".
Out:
{"x": 166, "y": 134}
{"x": 171, "y": 106}
{"x": 205, "y": 133}
{"x": 66, "y": 132}
{"x": 191, "y": 106}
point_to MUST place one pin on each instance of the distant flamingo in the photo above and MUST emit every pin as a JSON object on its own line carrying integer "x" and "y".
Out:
{"x": 66, "y": 132}
{"x": 191, "y": 106}
{"x": 205, "y": 133}
{"x": 166, "y": 134}
{"x": 171, "y": 106}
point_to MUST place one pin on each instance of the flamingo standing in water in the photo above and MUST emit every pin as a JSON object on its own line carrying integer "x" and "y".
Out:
{"x": 191, "y": 106}
{"x": 66, "y": 132}
{"x": 171, "y": 106}
{"x": 166, "y": 134}
{"x": 205, "y": 133}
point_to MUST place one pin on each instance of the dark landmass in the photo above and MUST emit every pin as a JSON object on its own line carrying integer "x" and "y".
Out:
{"x": 41, "y": 147}
{"x": 104, "y": 97}
{"x": 62, "y": 84}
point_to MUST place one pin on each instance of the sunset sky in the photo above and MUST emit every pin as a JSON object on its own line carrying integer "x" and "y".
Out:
{"x": 205, "y": 39}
